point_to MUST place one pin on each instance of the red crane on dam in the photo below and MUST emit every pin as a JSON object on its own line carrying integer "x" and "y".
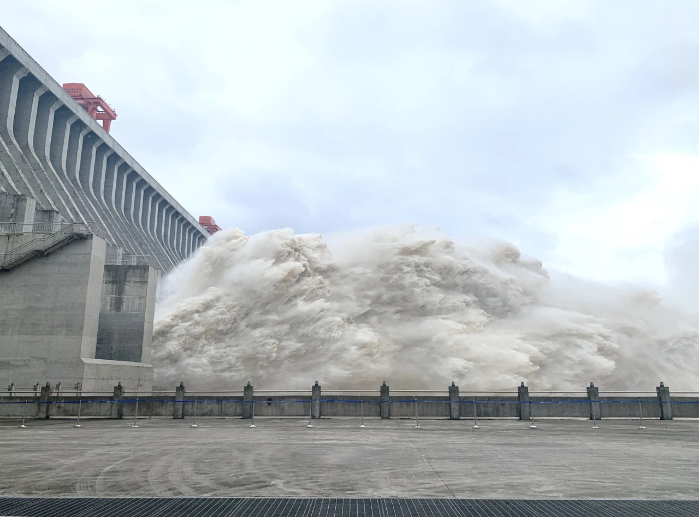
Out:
{"x": 209, "y": 224}
{"x": 98, "y": 109}
{"x": 95, "y": 105}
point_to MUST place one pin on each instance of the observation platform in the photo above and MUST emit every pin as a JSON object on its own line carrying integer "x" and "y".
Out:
{"x": 281, "y": 457}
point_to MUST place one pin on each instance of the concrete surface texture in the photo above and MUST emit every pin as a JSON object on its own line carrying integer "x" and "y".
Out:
{"x": 11, "y": 241}
{"x": 335, "y": 458}
{"x": 128, "y": 309}
{"x": 51, "y": 308}
{"x": 49, "y": 312}
{"x": 99, "y": 374}
{"x": 58, "y": 164}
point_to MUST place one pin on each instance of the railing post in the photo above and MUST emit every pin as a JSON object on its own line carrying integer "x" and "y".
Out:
{"x": 417, "y": 422}
{"x": 135, "y": 414}
{"x": 361, "y": 412}
{"x": 315, "y": 401}
{"x": 640, "y": 413}
{"x": 80, "y": 405}
{"x": 36, "y": 393}
{"x": 665, "y": 403}
{"x": 43, "y": 409}
{"x": 384, "y": 401}
{"x": 178, "y": 410}
{"x": 24, "y": 415}
{"x": 247, "y": 400}
{"x": 117, "y": 407}
{"x": 195, "y": 414}
{"x": 524, "y": 407}
{"x": 454, "y": 406}
{"x": 593, "y": 397}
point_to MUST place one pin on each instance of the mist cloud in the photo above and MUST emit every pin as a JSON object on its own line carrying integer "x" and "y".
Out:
{"x": 408, "y": 305}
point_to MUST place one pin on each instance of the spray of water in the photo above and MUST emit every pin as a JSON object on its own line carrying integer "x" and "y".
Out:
{"x": 407, "y": 305}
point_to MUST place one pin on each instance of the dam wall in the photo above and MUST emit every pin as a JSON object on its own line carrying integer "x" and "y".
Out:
{"x": 58, "y": 164}
{"x": 85, "y": 231}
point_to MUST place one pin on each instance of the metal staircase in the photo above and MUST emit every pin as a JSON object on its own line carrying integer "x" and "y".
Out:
{"x": 61, "y": 234}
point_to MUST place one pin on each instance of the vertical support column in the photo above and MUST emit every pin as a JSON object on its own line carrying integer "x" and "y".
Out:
{"x": 43, "y": 409}
{"x": 523, "y": 408}
{"x": 665, "y": 403}
{"x": 188, "y": 246}
{"x": 384, "y": 402}
{"x": 454, "y": 406}
{"x": 178, "y": 410}
{"x": 593, "y": 397}
{"x": 247, "y": 400}
{"x": 315, "y": 401}
{"x": 117, "y": 406}
{"x": 177, "y": 237}
{"x": 19, "y": 209}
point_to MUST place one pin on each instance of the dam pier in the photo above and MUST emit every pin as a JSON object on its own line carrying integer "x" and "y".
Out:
{"x": 85, "y": 232}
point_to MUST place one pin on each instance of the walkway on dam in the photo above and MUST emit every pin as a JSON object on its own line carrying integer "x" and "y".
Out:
{"x": 390, "y": 458}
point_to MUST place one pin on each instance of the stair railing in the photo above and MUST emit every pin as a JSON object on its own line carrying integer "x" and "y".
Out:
{"x": 43, "y": 243}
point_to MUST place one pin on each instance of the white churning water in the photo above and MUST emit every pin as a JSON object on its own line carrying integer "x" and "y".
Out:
{"x": 407, "y": 305}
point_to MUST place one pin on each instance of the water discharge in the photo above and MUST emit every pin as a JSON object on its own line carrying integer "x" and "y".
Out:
{"x": 407, "y": 305}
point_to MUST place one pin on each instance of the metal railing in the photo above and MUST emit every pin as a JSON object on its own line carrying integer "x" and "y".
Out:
{"x": 128, "y": 260}
{"x": 65, "y": 231}
{"x": 21, "y": 228}
{"x": 15, "y": 228}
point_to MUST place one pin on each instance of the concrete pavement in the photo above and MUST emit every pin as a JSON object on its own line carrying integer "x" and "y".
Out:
{"x": 283, "y": 458}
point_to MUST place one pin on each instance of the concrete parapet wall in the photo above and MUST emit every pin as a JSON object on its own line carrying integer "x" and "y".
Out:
{"x": 370, "y": 405}
{"x": 314, "y": 404}
{"x": 64, "y": 405}
{"x": 611, "y": 409}
{"x": 682, "y": 407}
{"x": 490, "y": 406}
{"x": 560, "y": 407}
{"x": 215, "y": 407}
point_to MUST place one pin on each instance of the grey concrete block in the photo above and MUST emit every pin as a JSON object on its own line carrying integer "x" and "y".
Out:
{"x": 125, "y": 325}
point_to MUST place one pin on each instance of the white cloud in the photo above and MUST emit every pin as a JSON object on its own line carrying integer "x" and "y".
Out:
{"x": 569, "y": 128}
{"x": 626, "y": 238}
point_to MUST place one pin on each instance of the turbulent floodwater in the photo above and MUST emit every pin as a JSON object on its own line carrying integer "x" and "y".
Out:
{"x": 409, "y": 306}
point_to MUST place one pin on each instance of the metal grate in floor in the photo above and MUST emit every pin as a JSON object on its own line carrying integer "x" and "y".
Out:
{"x": 271, "y": 507}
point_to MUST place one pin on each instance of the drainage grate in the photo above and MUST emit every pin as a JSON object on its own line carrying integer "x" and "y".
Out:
{"x": 270, "y": 507}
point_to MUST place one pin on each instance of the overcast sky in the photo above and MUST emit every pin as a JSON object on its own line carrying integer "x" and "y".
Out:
{"x": 569, "y": 128}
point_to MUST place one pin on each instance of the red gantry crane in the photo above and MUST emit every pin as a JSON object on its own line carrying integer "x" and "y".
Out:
{"x": 209, "y": 224}
{"x": 95, "y": 106}
{"x": 98, "y": 109}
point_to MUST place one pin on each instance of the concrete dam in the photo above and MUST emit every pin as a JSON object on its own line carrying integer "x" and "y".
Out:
{"x": 85, "y": 232}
